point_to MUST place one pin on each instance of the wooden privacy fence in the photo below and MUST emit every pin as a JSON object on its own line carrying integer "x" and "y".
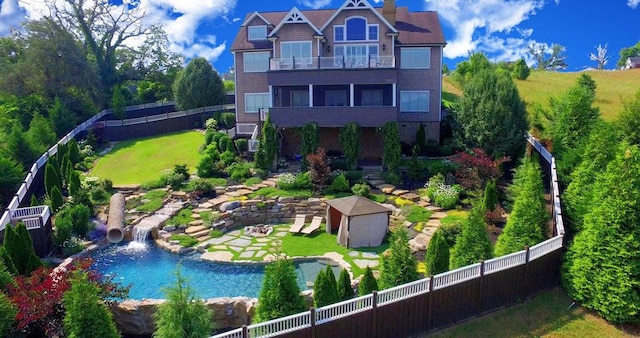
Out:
{"x": 433, "y": 303}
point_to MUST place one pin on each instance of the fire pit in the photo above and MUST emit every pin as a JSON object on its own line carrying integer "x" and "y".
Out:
{"x": 259, "y": 230}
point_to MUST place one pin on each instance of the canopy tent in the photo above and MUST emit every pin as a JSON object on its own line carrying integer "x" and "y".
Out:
{"x": 360, "y": 221}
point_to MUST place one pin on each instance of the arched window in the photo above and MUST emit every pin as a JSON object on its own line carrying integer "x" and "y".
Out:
{"x": 356, "y": 29}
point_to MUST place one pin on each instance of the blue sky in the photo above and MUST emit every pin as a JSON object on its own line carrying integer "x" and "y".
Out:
{"x": 501, "y": 29}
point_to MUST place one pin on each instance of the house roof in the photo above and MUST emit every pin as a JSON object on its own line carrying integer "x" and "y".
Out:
{"x": 414, "y": 28}
{"x": 357, "y": 205}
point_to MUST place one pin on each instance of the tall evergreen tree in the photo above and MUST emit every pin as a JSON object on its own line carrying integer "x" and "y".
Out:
{"x": 349, "y": 138}
{"x": 5, "y": 276}
{"x": 51, "y": 178}
{"x": 11, "y": 177}
{"x": 319, "y": 290}
{"x": 183, "y": 314}
{"x": 19, "y": 247}
{"x": 399, "y": 266}
{"x": 490, "y": 197}
{"x": 437, "y": 257}
{"x": 602, "y": 267}
{"x": 6, "y": 259}
{"x": 86, "y": 314}
{"x": 526, "y": 226}
{"x": 332, "y": 285}
{"x": 628, "y": 121}
{"x": 280, "y": 295}
{"x": 491, "y": 115}
{"x": 345, "y": 290}
{"x": 198, "y": 85}
{"x": 74, "y": 151}
{"x": 391, "y": 152}
{"x": 310, "y": 141}
{"x": 368, "y": 283}
{"x": 56, "y": 200}
{"x": 473, "y": 244}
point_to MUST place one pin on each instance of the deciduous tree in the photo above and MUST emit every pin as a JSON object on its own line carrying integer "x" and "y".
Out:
{"x": 600, "y": 56}
{"x": 548, "y": 58}
{"x": 602, "y": 264}
{"x": 626, "y": 53}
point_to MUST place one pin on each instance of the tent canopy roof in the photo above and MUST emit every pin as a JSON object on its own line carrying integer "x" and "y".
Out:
{"x": 357, "y": 205}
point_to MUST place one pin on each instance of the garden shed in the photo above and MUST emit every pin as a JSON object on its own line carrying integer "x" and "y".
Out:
{"x": 360, "y": 221}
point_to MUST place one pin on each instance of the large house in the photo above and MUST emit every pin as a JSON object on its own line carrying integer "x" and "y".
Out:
{"x": 357, "y": 63}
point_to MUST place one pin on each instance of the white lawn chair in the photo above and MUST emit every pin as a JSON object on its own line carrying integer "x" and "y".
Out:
{"x": 298, "y": 224}
{"x": 315, "y": 225}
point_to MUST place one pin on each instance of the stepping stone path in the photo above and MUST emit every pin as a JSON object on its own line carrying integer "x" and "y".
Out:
{"x": 365, "y": 259}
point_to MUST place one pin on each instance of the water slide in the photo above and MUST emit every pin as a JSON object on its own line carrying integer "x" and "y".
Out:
{"x": 115, "y": 222}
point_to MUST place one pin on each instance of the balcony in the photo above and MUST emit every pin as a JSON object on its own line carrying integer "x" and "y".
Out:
{"x": 332, "y": 116}
{"x": 342, "y": 62}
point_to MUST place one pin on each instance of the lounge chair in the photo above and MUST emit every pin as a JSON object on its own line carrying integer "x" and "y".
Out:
{"x": 315, "y": 225}
{"x": 298, "y": 224}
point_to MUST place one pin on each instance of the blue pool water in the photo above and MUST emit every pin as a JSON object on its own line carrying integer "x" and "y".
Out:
{"x": 151, "y": 269}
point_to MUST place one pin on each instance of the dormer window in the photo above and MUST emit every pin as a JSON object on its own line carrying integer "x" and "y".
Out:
{"x": 355, "y": 29}
{"x": 257, "y": 33}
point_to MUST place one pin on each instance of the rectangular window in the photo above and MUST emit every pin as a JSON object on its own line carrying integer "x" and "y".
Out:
{"x": 415, "y": 58}
{"x": 256, "y": 62}
{"x": 414, "y": 101}
{"x": 255, "y": 101}
{"x": 300, "y": 49}
{"x": 257, "y": 33}
{"x": 371, "y": 98}
{"x": 299, "y": 98}
{"x": 373, "y": 32}
{"x": 336, "y": 98}
{"x": 338, "y": 33}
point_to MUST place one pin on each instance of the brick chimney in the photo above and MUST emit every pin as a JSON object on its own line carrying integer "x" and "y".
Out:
{"x": 389, "y": 11}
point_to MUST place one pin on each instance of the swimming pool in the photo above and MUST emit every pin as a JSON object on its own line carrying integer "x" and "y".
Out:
{"x": 149, "y": 269}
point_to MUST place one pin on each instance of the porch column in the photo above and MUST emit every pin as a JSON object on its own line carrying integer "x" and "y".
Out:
{"x": 310, "y": 95}
{"x": 394, "y": 95}
{"x": 270, "y": 96}
{"x": 351, "y": 94}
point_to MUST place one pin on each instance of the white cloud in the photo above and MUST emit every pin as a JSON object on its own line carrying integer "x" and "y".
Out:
{"x": 633, "y": 3}
{"x": 11, "y": 15}
{"x": 315, "y": 4}
{"x": 180, "y": 19}
{"x": 485, "y": 26}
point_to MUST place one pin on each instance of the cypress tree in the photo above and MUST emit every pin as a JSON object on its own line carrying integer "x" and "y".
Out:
{"x": 319, "y": 290}
{"x": 473, "y": 244}
{"x": 349, "y": 138}
{"x": 34, "y": 201}
{"x": 527, "y": 223}
{"x": 490, "y": 198}
{"x": 64, "y": 169}
{"x": 368, "y": 283}
{"x": 56, "y": 200}
{"x": 19, "y": 247}
{"x": 280, "y": 295}
{"x": 74, "y": 183}
{"x": 183, "y": 314}
{"x": 51, "y": 178}
{"x": 332, "y": 285}
{"x": 399, "y": 266}
{"x": 602, "y": 267}
{"x": 74, "y": 151}
{"x": 437, "y": 257}
{"x": 421, "y": 138}
{"x": 6, "y": 259}
{"x": 86, "y": 314}
{"x": 345, "y": 291}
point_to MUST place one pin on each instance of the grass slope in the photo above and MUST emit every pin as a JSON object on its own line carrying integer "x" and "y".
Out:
{"x": 140, "y": 160}
{"x": 614, "y": 87}
{"x": 549, "y": 314}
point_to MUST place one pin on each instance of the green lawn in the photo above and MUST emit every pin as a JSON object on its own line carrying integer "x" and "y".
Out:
{"x": 550, "y": 314}
{"x": 141, "y": 160}
{"x": 613, "y": 87}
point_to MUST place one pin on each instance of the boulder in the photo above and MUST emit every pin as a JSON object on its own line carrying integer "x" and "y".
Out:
{"x": 227, "y": 206}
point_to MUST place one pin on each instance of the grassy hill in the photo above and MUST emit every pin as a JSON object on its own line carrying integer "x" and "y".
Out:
{"x": 613, "y": 87}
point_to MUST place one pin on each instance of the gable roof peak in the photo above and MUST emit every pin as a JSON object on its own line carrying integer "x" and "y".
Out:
{"x": 254, "y": 15}
{"x": 359, "y": 4}
{"x": 294, "y": 16}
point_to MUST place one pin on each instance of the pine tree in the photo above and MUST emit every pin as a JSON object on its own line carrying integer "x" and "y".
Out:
{"x": 527, "y": 223}
{"x": 183, "y": 314}
{"x": 319, "y": 289}
{"x": 345, "y": 290}
{"x": 280, "y": 295}
{"x": 490, "y": 198}
{"x": 64, "y": 169}
{"x": 74, "y": 151}
{"x": 473, "y": 244}
{"x": 399, "y": 266}
{"x": 86, "y": 315}
{"x": 5, "y": 276}
{"x": 332, "y": 285}
{"x": 74, "y": 183}
{"x": 324, "y": 292}
{"x": 602, "y": 265}
{"x": 6, "y": 259}
{"x": 437, "y": 257}
{"x": 368, "y": 283}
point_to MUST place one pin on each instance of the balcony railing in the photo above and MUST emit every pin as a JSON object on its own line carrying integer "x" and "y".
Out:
{"x": 341, "y": 62}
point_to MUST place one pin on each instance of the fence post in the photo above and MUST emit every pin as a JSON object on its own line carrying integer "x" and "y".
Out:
{"x": 525, "y": 286}
{"x": 374, "y": 314}
{"x": 480, "y": 287}
{"x": 312, "y": 313}
{"x": 430, "y": 305}
{"x": 245, "y": 331}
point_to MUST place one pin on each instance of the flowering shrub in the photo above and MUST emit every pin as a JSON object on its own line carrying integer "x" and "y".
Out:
{"x": 443, "y": 195}
{"x": 432, "y": 186}
{"x": 90, "y": 182}
{"x": 72, "y": 246}
{"x": 286, "y": 181}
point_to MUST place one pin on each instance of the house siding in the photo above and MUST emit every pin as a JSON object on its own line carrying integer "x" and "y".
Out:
{"x": 247, "y": 83}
